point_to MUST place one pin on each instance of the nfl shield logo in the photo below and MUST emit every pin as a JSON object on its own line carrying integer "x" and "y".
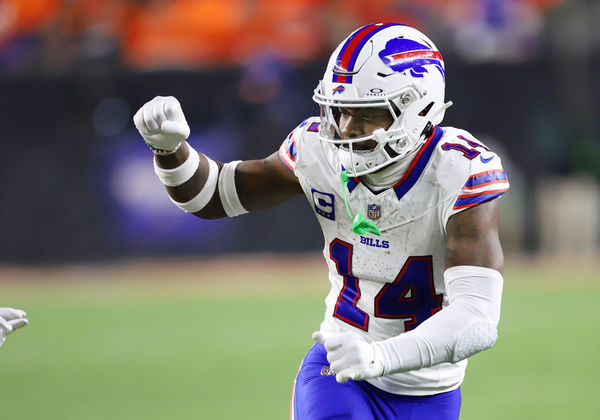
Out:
{"x": 374, "y": 211}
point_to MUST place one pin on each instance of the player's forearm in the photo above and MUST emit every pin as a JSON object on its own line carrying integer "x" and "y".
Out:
{"x": 465, "y": 327}
{"x": 201, "y": 185}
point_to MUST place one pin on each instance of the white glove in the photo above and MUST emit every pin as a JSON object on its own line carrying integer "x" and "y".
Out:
{"x": 162, "y": 124}
{"x": 10, "y": 320}
{"x": 350, "y": 356}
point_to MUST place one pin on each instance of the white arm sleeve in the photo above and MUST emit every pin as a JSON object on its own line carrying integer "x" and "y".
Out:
{"x": 466, "y": 326}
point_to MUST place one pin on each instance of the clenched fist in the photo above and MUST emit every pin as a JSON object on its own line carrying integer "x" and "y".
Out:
{"x": 162, "y": 124}
{"x": 350, "y": 356}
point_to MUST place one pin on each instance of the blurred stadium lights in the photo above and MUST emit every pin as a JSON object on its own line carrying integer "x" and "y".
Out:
{"x": 140, "y": 214}
{"x": 260, "y": 82}
{"x": 158, "y": 34}
{"x": 521, "y": 73}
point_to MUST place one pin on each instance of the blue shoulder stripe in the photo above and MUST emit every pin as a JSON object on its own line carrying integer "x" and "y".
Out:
{"x": 485, "y": 177}
{"x": 469, "y": 201}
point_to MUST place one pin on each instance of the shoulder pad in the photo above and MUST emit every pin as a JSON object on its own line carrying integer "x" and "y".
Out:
{"x": 288, "y": 152}
{"x": 475, "y": 169}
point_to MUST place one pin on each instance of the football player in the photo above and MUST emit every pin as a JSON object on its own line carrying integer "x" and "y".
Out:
{"x": 409, "y": 212}
{"x": 10, "y": 320}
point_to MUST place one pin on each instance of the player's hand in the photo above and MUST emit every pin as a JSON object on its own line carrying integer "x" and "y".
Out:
{"x": 10, "y": 320}
{"x": 350, "y": 356}
{"x": 161, "y": 123}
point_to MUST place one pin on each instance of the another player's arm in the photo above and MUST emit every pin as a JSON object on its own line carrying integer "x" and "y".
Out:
{"x": 10, "y": 320}
{"x": 199, "y": 185}
{"x": 260, "y": 183}
{"x": 468, "y": 325}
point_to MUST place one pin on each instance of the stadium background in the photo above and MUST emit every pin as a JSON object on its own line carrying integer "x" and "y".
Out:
{"x": 138, "y": 311}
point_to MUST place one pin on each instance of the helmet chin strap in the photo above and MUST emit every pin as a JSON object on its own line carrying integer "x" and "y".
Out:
{"x": 360, "y": 225}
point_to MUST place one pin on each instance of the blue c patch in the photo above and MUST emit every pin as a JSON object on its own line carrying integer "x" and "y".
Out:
{"x": 324, "y": 204}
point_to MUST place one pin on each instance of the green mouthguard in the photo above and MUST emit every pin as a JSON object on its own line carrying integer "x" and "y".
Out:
{"x": 360, "y": 225}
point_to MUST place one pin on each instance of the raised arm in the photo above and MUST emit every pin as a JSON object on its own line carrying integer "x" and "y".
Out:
{"x": 199, "y": 185}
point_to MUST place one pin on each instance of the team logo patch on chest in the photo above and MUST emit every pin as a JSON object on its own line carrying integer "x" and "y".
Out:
{"x": 374, "y": 211}
{"x": 324, "y": 204}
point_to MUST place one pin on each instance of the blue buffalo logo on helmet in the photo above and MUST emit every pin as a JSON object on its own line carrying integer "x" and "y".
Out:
{"x": 405, "y": 54}
{"x": 338, "y": 89}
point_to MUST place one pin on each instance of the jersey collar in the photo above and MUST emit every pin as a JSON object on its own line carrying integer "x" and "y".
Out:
{"x": 418, "y": 164}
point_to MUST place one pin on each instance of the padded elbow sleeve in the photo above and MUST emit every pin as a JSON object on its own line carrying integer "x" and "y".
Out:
{"x": 478, "y": 291}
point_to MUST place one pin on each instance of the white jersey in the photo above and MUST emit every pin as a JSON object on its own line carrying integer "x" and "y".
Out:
{"x": 382, "y": 286}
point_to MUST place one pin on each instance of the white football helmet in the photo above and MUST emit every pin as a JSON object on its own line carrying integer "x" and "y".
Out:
{"x": 386, "y": 65}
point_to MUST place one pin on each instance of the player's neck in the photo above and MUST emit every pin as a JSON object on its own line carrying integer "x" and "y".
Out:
{"x": 388, "y": 176}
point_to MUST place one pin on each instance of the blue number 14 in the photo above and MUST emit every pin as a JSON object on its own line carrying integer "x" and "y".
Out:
{"x": 410, "y": 296}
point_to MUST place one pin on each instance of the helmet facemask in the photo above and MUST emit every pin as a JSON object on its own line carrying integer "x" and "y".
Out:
{"x": 392, "y": 143}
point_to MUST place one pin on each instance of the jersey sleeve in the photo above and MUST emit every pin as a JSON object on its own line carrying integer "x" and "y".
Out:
{"x": 485, "y": 184}
{"x": 288, "y": 151}
{"x": 484, "y": 179}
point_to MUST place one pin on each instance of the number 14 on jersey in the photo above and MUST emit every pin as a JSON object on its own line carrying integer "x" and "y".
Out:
{"x": 411, "y": 296}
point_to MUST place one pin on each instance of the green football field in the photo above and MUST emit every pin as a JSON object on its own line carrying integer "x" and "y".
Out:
{"x": 222, "y": 339}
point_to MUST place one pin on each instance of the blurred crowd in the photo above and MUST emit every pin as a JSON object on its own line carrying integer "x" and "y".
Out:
{"x": 55, "y": 35}
{"x": 521, "y": 72}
